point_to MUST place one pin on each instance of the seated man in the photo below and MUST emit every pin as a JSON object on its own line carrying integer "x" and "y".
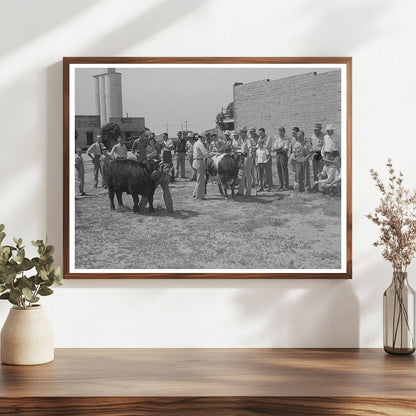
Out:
{"x": 330, "y": 174}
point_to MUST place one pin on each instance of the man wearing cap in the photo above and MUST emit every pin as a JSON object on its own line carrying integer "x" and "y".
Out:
{"x": 252, "y": 135}
{"x": 139, "y": 147}
{"x": 200, "y": 153}
{"x": 283, "y": 148}
{"x": 105, "y": 159}
{"x": 330, "y": 174}
{"x": 119, "y": 150}
{"x": 317, "y": 141}
{"x": 331, "y": 142}
{"x": 180, "y": 147}
{"x": 237, "y": 141}
{"x": 167, "y": 147}
{"x": 228, "y": 143}
{"x": 79, "y": 166}
{"x": 94, "y": 152}
{"x": 247, "y": 149}
{"x": 268, "y": 168}
{"x": 190, "y": 150}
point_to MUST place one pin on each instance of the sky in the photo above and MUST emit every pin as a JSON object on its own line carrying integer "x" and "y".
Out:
{"x": 172, "y": 99}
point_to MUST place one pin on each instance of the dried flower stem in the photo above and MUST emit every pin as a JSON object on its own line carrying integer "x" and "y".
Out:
{"x": 396, "y": 216}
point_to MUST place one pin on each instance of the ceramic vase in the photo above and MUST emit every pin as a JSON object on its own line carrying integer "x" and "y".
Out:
{"x": 27, "y": 337}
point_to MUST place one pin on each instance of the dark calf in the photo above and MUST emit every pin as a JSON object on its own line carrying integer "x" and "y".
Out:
{"x": 133, "y": 178}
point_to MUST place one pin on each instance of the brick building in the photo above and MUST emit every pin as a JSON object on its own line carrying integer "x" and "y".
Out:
{"x": 88, "y": 127}
{"x": 300, "y": 100}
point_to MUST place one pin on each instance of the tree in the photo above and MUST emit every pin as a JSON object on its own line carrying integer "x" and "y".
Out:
{"x": 110, "y": 133}
{"x": 223, "y": 115}
{"x": 229, "y": 111}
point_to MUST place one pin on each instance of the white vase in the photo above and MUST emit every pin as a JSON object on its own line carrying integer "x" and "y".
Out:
{"x": 27, "y": 337}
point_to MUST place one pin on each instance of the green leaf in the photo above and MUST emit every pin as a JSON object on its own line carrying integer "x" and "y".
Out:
{"x": 13, "y": 302}
{"x": 15, "y": 294}
{"x": 49, "y": 250}
{"x": 26, "y": 264}
{"x": 27, "y": 293}
{"x": 17, "y": 241}
{"x": 1, "y": 227}
{"x": 37, "y": 243}
{"x": 58, "y": 280}
{"x": 21, "y": 255}
{"x": 2, "y": 288}
{"x": 45, "y": 291}
{"x": 8, "y": 277}
{"x": 43, "y": 274}
{"x": 5, "y": 295}
{"x": 24, "y": 282}
{"x": 2, "y": 236}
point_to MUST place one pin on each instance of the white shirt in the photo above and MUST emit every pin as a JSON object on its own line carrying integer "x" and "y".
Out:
{"x": 330, "y": 144}
{"x": 200, "y": 152}
{"x": 96, "y": 149}
{"x": 261, "y": 155}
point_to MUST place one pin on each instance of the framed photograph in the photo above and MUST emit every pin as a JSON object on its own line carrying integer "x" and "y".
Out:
{"x": 207, "y": 167}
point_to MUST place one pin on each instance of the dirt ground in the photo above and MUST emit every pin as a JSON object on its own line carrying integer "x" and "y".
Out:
{"x": 269, "y": 230}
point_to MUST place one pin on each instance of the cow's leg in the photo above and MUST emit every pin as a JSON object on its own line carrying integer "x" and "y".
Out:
{"x": 150, "y": 197}
{"x": 225, "y": 187}
{"x": 142, "y": 204}
{"x": 111, "y": 197}
{"x": 119, "y": 195}
{"x": 135, "y": 202}
{"x": 220, "y": 189}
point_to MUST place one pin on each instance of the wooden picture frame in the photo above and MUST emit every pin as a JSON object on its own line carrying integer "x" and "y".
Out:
{"x": 293, "y": 234}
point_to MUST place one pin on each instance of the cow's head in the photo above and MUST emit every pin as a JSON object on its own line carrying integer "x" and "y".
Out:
{"x": 239, "y": 160}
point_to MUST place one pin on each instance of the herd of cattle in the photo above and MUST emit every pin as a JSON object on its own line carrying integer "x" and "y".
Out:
{"x": 142, "y": 178}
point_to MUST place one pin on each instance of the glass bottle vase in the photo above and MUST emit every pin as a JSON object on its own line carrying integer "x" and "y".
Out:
{"x": 399, "y": 316}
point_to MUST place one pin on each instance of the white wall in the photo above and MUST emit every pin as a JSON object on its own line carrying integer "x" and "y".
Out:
{"x": 380, "y": 36}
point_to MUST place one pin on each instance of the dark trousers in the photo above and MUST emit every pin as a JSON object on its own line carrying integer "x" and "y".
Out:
{"x": 167, "y": 158}
{"x": 180, "y": 164}
{"x": 269, "y": 173}
{"x": 282, "y": 170}
{"x": 300, "y": 173}
{"x": 317, "y": 165}
{"x": 97, "y": 168}
{"x": 261, "y": 168}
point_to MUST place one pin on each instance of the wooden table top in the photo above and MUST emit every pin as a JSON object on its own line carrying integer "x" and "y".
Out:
{"x": 214, "y": 372}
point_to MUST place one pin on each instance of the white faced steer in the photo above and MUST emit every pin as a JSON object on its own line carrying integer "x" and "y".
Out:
{"x": 225, "y": 166}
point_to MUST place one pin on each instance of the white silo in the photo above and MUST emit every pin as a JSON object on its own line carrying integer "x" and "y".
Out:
{"x": 108, "y": 96}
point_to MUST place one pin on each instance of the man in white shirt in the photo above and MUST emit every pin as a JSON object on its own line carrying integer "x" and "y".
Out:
{"x": 247, "y": 148}
{"x": 200, "y": 153}
{"x": 268, "y": 168}
{"x": 167, "y": 147}
{"x": 119, "y": 151}
{"x": 283, "y": 148}
{"x": 331, "y": 143}
{"x": 94, "y": 152}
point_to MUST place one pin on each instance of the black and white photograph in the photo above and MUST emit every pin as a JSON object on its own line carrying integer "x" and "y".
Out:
{"x": 213, "y": 169}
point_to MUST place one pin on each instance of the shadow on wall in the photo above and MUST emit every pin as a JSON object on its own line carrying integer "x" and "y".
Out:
{"x": 154, "y": 20}
{"x": 134, "y": 31}
{"x": 45, "y": 16}
{"x": 340, "y": 21}
{"x": 300, "y": 313}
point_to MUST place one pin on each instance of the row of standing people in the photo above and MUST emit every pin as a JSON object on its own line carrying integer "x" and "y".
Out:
{"x": 296, "y": 152}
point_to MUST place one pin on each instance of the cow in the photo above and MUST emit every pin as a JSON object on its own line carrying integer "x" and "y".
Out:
{"x": 226, "y": 167}
{"x": 132, "y": 177}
